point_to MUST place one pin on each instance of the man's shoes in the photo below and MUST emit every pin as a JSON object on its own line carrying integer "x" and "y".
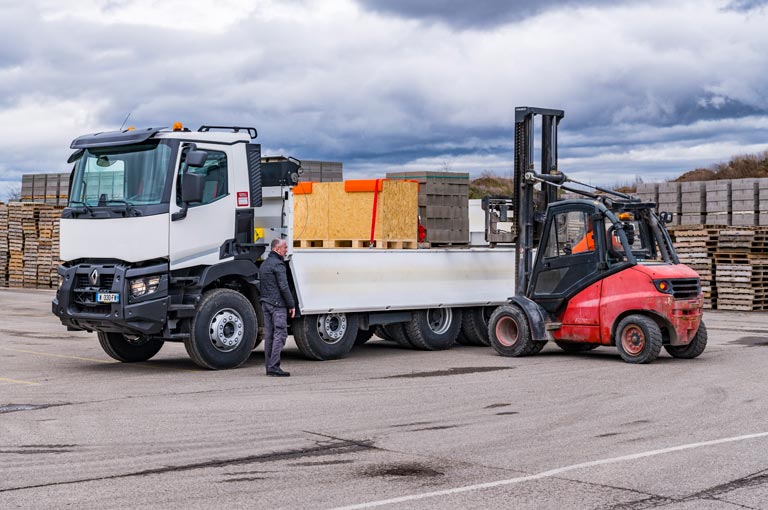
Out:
{"x": 278, "y": 372}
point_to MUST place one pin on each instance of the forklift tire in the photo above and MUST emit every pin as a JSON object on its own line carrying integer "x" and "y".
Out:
{"x": 638, "y": 339}
{"x": 396, "y": 332}
{"x": 573, "y": 347}
{"x": 474, "y": 326}
{"x": 223, "y": 330}
{"x": 129, "y": 349}
{"x": 325, "y": 336}
{"x": 510, "y": 334}
{"x": 363, "y": 335}
{"x": 435, "y": 329}
{"x": 381, "y": 333}
{"x": 693, "y": 349}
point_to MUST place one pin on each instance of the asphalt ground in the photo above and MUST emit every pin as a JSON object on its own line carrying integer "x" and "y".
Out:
{"x": 385, "y": 427}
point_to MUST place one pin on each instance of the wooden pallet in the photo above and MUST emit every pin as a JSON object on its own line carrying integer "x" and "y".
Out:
{"x": 388, "y": 244}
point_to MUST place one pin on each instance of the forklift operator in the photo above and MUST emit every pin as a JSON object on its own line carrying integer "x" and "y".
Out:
{"x": 587, "y": 243}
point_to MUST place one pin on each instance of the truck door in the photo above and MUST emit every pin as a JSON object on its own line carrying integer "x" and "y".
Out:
{"x": 568, "y": 257}
{"x": 197, "y": 239}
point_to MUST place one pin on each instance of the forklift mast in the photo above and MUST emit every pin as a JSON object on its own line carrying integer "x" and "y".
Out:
{"x": 529, "y": 209}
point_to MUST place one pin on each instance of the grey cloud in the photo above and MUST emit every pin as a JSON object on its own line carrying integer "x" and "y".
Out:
{"x": 478, "y": 13}
{"x": 746, "y": 5}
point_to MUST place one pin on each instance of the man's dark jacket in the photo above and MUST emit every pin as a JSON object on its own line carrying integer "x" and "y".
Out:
{"x": 274, "y": 282}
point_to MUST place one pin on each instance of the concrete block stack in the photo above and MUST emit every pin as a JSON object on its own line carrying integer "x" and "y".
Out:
{"x": 51, "y": 189}
{"x": 696, "y": 247}
{"x": 762, "y": 205}
{"x": 693, "y": 203}
{"x": 443, "y": 204}
{"x": 742, "y": 269}
{"x": 3, "y": 244}
{"x": 670, "y": 200}
{"x": 321, "y": 171}
{"x": 718, "y": 202}
{"x": 648, "y": 192}
{"x": 744, "y": 202}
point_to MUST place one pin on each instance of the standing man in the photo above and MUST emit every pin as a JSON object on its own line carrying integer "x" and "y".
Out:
{"x": 277, "y": 303}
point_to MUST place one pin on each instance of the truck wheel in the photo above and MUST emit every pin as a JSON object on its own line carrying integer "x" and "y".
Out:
{"x": 638, "y": 339}
{"x": 325, "y": 336}
{"x": 382, "y": 333}
{"x": 129, "y": 348}
{"x": 573, "y": 347}
{"x": 510, "y": 334}
{"x": 397, "y": 333}
{"x": 363, "y": 335}
{"x": 693, "y": 349}
{"x": 223, "y": 331}
{"x": 435, "y": 329}
{"x": 474, "y": 326}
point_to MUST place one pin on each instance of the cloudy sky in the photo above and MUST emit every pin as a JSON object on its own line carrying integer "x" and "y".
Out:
{"x": 650, "y": 88}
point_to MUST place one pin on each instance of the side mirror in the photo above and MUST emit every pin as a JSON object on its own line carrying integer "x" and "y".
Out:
{"x": 665, "y": 217}
{"x": 196, "y": 158}
{"x": 192, "y": 188}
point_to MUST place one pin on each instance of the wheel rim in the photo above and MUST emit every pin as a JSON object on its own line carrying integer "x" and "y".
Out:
{"x": 439, "y": 320}
{"x": 332, "y": 327}
{"x": 507, "y": 332}
{"x": 633, "y": 340}
{"x": 226, "y": 330}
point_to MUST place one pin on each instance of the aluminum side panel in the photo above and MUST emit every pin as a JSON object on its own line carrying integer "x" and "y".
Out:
{"x": 372, "y": 280}
{"x": 130, "y": 239}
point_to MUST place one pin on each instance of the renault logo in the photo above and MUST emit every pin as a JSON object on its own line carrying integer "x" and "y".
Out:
{"x": 94, "y": 276}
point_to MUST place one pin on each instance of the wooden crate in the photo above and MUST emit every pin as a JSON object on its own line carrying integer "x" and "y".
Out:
{"x": 332, "y": 215}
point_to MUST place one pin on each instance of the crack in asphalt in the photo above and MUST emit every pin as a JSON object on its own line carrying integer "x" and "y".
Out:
{"x": 332, "y": 448}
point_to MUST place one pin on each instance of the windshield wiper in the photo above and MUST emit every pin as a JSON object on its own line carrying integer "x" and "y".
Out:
{"x": 129, "y": 208}
{"x": 86, "y": 207}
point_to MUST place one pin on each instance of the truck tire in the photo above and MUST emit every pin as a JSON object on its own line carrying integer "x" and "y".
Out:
{"x": 382, "y": 333}
{"x": 638, "y": 339}
{"x": 573, "y": 347}
{"x": 325, "y": 336}
{"x": 510, "y": 333}
{"x": 434, "y": 329}
{"x": 223, "y": 330}
{"x": 129, "y": 349}
{"x": 693, "y": 349}
{"x": 363, "y": 335}
{"x": 397, "y": 333}
{"x": 474, "y": 326}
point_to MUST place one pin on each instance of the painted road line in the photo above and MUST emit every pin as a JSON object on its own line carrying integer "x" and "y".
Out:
{"x": 19, "y": 381}
{"x": 111, "y": 362}
{"x": 550, "y": 473}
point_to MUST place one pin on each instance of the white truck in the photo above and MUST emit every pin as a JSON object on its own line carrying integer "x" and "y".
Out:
{"x": 157, "y": 245}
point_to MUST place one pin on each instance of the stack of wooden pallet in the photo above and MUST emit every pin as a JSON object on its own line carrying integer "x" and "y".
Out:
{"x": 46, "y": 256}
{"x": 696, "y": 247}
{"x": 15, "y": 245}
{"x": 742, "y": 268}
{"x": 29, "y": 217}
{"x": 3, "y": 244}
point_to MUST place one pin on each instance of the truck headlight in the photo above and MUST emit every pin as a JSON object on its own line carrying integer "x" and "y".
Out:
{"x": 144, "y": 286}
{"x": 61, "y": 281}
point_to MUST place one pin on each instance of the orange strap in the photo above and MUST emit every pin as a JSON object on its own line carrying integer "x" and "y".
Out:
{"x": 376, "y": 190}
{"x": 363, "y": 185}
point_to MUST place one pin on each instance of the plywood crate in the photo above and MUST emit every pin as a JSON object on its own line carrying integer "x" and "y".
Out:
{"x": 331, "y": 216}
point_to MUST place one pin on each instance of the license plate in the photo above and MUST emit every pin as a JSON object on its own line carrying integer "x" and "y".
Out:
{"x": 107, "y": 297}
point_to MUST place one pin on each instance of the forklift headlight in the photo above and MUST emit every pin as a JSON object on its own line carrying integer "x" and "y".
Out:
{"x": 61, "y": 281}
{"x": 663, "y": 286}
{"x": 144, "y": 286}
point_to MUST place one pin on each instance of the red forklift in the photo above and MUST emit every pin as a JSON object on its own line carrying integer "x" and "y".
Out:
{"x": 594, "y": 271}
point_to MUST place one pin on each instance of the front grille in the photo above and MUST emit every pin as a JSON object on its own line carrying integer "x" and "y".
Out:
{"x": 105, "y": 281}
{"x": 685, "y": 288}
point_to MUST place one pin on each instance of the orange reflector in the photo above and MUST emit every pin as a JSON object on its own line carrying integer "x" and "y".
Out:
{"x": 303, "y": 188}
{"x": 130, "y": 128}
{"x": 625, "y": 216}
{"x": 177, "y": 126}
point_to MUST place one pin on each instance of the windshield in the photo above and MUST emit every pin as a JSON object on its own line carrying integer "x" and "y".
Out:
{"x": 128, "y": 174}
{"x": 644, "y": 245}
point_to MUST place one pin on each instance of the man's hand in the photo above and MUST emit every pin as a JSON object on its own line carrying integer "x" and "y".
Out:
{"x": 292, "y": 312}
